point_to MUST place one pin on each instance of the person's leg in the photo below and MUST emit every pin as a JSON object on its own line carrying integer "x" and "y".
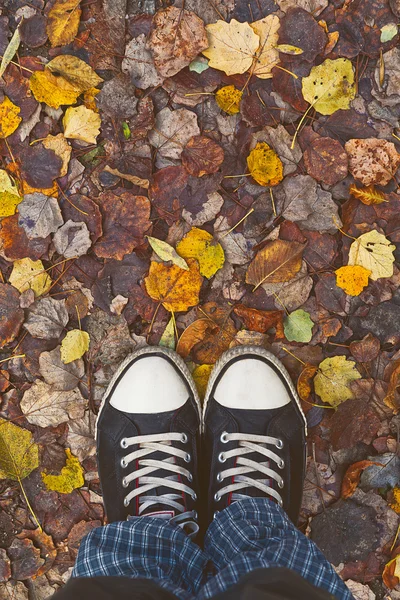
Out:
{"x": 147, "y": 435}
{"x": 255, "y": 446}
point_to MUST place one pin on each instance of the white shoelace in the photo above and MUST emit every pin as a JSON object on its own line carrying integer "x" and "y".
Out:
{"x": 148, "y": 444}
{"x": 248, "y": 444}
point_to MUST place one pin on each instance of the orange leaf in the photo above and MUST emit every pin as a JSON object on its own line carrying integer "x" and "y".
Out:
{"x": 304, "y": 381}
{"x": 261, "y": 320}
{"x": 175, "y": 288}
{"x": 352, "y": 477}
{"x": 368, "y": 195}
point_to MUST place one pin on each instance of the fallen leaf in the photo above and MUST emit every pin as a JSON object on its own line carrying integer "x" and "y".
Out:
{"x": 278, "y": 261}
{"x": 352, "y": 279}
{"x": 394, "y": 383}
{"x": 10, "y": 51}
{"x": 173, "y": 129}
{"x": 74, "y": 345}
{"x": 117, "y": 98}
{"x": 267, "y": 55}
{"x": 54, "y": 91}
{"x": 74, "y": 70}
{"x": 39, "y": 215}
{"x": 61, "y": 377}
{"x": 175, "y": 288}
{"x": 70, "y": 478}
{"x": 29, "y": 274}
{"x": 300, "y": 28}
{"x": 330, "y": 86}
{"x": 388, "y": 32}
{"x": 207, "y": 342}
{"x": 366, "y": 349}
{"x": 143, "y": 183}
{"x": 261, "y": 320}
{"x": 200, "y": 244}
{"x": 19, "y": 455}
{"x": 11, "y": 315}
{"x": 80, "y": 436}
{"x": 231, "y": 46}
{"x": 368, "y": 195}
{"x": 9, "y": 117}
{"x": 395, "y": 503}
{"x": 61, "y": 147}
{"x": 201, "y": 375}
{"x": 289, "y": 49}
{"x": 82, "y": 124}
{"x": 298, "y": 326}
{"x": 63, "y": 22}
{"x": 40, "y": 166}
{"x": 304, "y": 381}
{"x": 72, "y": 239}
{"x": 167, "y": 252}
{"x": 372, "y": 160}
{"x": 9, "y": 195}
{"x": 279, "y": 139}
{"x": 139, "y": 64}
{"x": 265, "y": 165}
{"x": 326, "y": 160}
{"x": 118, "y": 304}
{"x": 332, "y": 381}
{"x": 168, "y": 337}
{"x": 193, "y": 334}
{"x": 391, "y": 572}
{"x": 228, "y": 99}
{"x": 208, "y": 211}
{"x": 177, "y": 37}
{"x": 351, "y": 478}
{"x": 202, "y": 156}
{"x": 47, "y": 318}
{"x": 165, "y": 192}
{"x": 374, "y": 252}
{"x": 44, "y": 406}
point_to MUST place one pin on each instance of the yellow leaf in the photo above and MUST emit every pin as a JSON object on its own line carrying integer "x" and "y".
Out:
{"x": 175, "y": 288}
{"x": 232, "y": 46}
{"x": 74, "y": 70}
{"x": 228, "y": 99}
{"x": 9, "y": 119}
{"x": 74, "y": 345}
{"x": 200, "y": 244}
{"x": 330, "y": 86}
{"x": 63, "y": 22}
{"x": 89, "y": 99}
{"x": 19, "y": 455}
{"x": 10, "y": 51}
{"x": 265, "y": 165}
{"x": 9, "y": 196}
{"x": 201, "y": 375}
{"x": 267, "y": 56}
{"x": 60, "y": 146}
{"x": 352, "y": 279}
{"x": 81, "y": 123}
{"x": 368, "y": 195}
{"x": 373, "y": 251}
{"x": 54, "y": 91}
{"x": 28, "y": 189}
{"x": 289, "y": 49}
{"x": 391, "y": 572}
{"x": 70, "y": 478}
{"x": 332, "y": 381}
{"x": 167, "y": 252}
{"x": 30, "y": 274}
{"x": 168, "y": 337}
{"x": 395, "y": 504}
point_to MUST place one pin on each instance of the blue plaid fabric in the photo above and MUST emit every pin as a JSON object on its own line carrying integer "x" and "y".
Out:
{"x": 250, "y": 534}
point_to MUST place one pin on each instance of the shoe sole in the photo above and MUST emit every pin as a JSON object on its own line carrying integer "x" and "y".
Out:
{"x": 152, "y": 350}
{"x": 233, "y": 353}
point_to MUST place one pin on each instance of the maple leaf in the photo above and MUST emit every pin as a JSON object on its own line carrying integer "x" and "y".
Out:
{"x": 374, "y": 252}
{"x": 330, "y": 86}
{"x": 176, "y": 288}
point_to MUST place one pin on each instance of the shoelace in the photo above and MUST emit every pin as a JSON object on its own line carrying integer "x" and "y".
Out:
{"x": 248, "y": 444}
{"x": 148, "y": 444}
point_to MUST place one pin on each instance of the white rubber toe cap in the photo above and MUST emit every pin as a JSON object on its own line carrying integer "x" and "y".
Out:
{"x": 150, "y": 385}
{"x": 251, "y": 384}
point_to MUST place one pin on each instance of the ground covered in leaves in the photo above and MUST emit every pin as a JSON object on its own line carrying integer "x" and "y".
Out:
{"x": 199, "y": 175}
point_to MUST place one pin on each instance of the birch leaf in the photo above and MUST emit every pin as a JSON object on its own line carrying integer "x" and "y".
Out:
{"x": 74, "y": 345}
{"x": 232, "y": 46}
{"x": 70, "y": 478}
{"x": 63, "y": 22}
{"x": 330, "y": 86}
{"x": 30, "y": 274}
{"x": 267, "y": 56}
{"x": 200, "y": 244}
{"x": 374, "y": 252}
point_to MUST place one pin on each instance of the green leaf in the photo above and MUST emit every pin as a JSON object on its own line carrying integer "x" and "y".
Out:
{"x": 126, "y": 130}
{"x": 168, "y": 337}
{"x": 167, "y": 252}
{"x": 19, "y": 455}
{"x": 198, "y": 65}
{"x": 70, "y": 478}
{"x": 298, "y": 326}
{"x": 388, "y": 32}
{"x": 10, "y": 51}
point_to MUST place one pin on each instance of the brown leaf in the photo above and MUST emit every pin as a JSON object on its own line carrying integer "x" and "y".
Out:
{"x": 40, "y": 166}
{"x": 354, "y": 421}
{"x": 325, "y": 160}
{"x": 16, "y": 245}
{"x": 25, "y": 559}
{"x": 394, "y": 384}
{"x": 46, "y": 547}
{"x": 372, "y": 161}
{"x": 366, "y": 349}
{"x": 352, "y": 477}
{"x": 194, "y": 334}
{"x": 165, "y": 191}
{"x": 78, "y": 207}
{"x": 261, "y": 320}
{"x": 126, "y": 221}
{"x": 299, "y": 28}
{"x": 304, "y": 381}
{"x": 4, "y": 380}
{"x": 278, "y": 261}
{"x": 202, "y": 156}
{"x": 11, "y": 315}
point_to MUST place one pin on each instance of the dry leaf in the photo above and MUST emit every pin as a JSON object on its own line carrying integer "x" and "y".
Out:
{"x": 79, "y": 74}
{"x": 265, "y": 165}
{"x": 172, "y": 130}
{"x": 278, "y": 261}
{"x": 304, "y": 381}
{"x": 174, "y": 287}
{"x": 70, "y": 478}
{"x": 391, "y": 572}
{"x": 54, "y": 91}
{"x": 228, "y": 99}
{"x": 167, "y": 252}
{"x": 81, "y": 123}
{"x": 61, "y": 147}
{"x": 267, "y": 56}
{"x": 368, "y": 195}
{"x": 47, "y": 318}
{"x": 139, "y": 64}
{"x": 74, "y": 345}
{"x": 11, "y": 314}
{"x": 372, "y": 160}
{"x": 80, "y": 436}
{"x": 200, "y": 244}
{"x": 352, "y": 279}
{"x": 9, "y": 117}
{"x": 143, "y": 183}
{"x": 261, "y": 320}
{"x": 63, "y": 22}
{"x": 9, "y": 195}
{"x": 352, "y": 477}
{"x": 19, "y": 455}
{"x": 374, "y": 252}
{"x": 330, "y": 86}
{"x": 201, "y": 375}
{"x": 332, "y": 382}
{"x": 232, "y": 46}
{"x": 44, "y": 406}
{"x": 39, "y": 215}
{"x": 193, "y": 334}
{"x": 202, "y": 156}
{"x": 72, "y": 239}
{"x": 62, "y": 377}
{"x": 29, "y": 274}
{"x": 10, "y": 51}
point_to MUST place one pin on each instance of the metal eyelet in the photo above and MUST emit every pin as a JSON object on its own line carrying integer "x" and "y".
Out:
{"x": 281, "y": 464}
{"x": 126, "y": 502}
{"x": 215, "y": 514}
{"x": 223, "y": 437}
{"x": 195, "y": 515}
{"x": 217, "y": 497}
{"x": 124, "y": 483}
{"x": 194, "y": 497}
{"x": 279, "y": 445}
{"x": 123, "y": 443}
{"x": 281, "y": 483}
{"x": 280, "y": 502}
{"x": 219, "y": 477}
{"x": 123, "y": 463}
{"x": 221, "y": 457}
{"x": 190, "y": 477}
{"x": 187, "y": 458}
{"x": 184, "y": 438}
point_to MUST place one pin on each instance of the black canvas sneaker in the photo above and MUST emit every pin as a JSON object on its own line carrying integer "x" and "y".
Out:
{"x": 255, "y": 432}
{"x": 147, "y": 438}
